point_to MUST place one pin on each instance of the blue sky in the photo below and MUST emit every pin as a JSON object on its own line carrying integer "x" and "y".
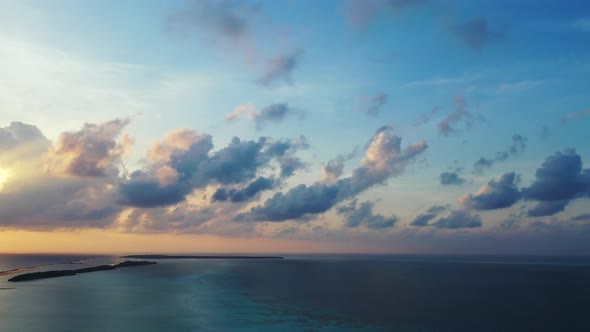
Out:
{"x": 338, "y": 82}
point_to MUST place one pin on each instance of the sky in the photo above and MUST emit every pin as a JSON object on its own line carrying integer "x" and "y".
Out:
{"x": 356, "y": 126}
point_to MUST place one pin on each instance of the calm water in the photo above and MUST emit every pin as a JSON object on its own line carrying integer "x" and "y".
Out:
{"x": 303, "y": 293}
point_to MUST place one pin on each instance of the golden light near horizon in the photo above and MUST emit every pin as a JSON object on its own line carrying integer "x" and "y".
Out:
{"x": 4, "y": 175}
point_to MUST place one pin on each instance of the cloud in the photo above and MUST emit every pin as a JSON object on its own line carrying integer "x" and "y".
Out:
{"x": 282, "y": 148}
{"x": 272, "y": 113}
{"x": 93, "y": 151}
{"x": 363, "y": 216}
{"x": 560, "y": 177}
{"x": 333, "y": 169}
{"x": 574, "y": 115}
{"x": 185, "y": 185}
{"x": 33, "y": 198}
{"x": 448, "y": 178}
{"x": 284, "y": 152}
{"x": 280, "y": 68}
{"x": 289, "y": 165}
{"x": 423, "y": 220}
{"x": 142, "y": 191}
{"x": 184, "y": 218}
{"x": 245, "y": 193}
{"x": 558, "y": 181}
{"x": 20, "y": 141}
{"x": 361, "y": 12}
{"x": 510, "y": 223}
{"x": 235, "y": 163}
{"x": 547, "y": 208}
{"x": 372, "y": 104}
{"x": 460, "y": 114}
{"x": 228, "y": 18}
{"x": 179, "y": 141}
{"x": 475, "y": 33}
{"x": 483, "y": 163}
{"x": 519, "y": 144}
{"x": 52, "y": 202}
{"x": 227, "y": 22}
{"x": 437, "y": 209}
{"x": 247, "y": 111}
{"x": 18, "y": 133}
{"x": 235, "y": 28}
{"x": 582, "y": 217}
{"x": 495, "y": 195}
{"x": 187, "y": 158}
{"x": 296, "y": 203}
{"x": 166, "y": 175}
{"x": 459, "y": 219}
{"x": 383, "y": 159}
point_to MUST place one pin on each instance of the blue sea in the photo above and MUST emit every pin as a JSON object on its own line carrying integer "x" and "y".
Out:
{"x": 301, "y": 293}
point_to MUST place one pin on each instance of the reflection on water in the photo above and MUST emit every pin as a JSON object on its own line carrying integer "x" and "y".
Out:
{"x": 313, "y": 293}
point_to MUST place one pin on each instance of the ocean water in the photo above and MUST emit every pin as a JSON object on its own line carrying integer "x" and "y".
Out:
{"x": 302, "y": 293}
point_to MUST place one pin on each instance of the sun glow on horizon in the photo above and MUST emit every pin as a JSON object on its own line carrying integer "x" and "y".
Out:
{"x": 4, "y": 175}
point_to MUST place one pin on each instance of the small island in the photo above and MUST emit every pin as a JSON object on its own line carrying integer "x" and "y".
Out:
{"x": 63, "y": 273}
{"x": 200, "y": 257}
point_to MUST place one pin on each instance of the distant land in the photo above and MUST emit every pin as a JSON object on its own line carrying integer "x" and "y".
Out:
{"x": 63, "y": 273}
{"x": 200, "y": 257}
{"x": 13, "y": 271}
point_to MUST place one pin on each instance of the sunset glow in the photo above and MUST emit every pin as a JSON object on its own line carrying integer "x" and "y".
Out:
{"x": 331, "y": 126}
{"x": 4, "y": 175}
{"x": 294, "y": 165}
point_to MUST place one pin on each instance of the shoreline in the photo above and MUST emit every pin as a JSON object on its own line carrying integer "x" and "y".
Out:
{"x": 36, "y": 267}
{"x": 200, "y": 257}
{"x": 63, "y": 273}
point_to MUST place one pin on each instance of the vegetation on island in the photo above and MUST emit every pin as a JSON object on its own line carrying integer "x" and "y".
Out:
{"x": 42, "y": 275}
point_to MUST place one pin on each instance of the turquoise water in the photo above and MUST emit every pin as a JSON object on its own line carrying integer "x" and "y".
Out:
{"x": 307, "y": 293}
{"x": 177, "y": 295}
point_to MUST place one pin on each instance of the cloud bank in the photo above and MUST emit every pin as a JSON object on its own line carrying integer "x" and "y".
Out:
{"x": 186, "y": 184}
{"x": 362, "y": 215}
{"x": 560, "y": 180}
{"x": 384, "y": 158}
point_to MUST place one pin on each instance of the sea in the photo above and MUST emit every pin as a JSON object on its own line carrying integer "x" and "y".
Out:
{"x": 301, "y": 293}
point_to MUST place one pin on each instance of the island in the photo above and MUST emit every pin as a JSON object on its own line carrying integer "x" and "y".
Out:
{"x": 63, "y": 273}
{"x": 200, "y": 257}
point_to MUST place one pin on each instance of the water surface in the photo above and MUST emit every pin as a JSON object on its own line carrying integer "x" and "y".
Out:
{"x": 306, "y": 293}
